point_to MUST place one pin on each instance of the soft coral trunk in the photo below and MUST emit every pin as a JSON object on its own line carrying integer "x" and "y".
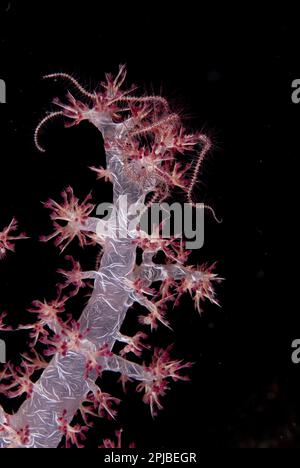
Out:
{"x": 136, "y": 166}
{"x": 62, "y": 386}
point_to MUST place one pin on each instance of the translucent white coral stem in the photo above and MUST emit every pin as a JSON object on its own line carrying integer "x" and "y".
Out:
{"x": 62, "y": 386}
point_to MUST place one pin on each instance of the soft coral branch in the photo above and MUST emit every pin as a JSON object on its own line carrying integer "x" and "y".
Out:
{"x": 162, "y": 369}
{"x": 73, "y": 214}
{"x": 8, "y": 238}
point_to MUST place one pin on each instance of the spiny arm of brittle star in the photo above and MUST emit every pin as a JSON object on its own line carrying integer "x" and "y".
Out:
{"x": 202, "y": 154}
{"x": 153, "y": 126}
{"x": 42, "y": 123}
{"x": 141, "y": 99}
{"x": 74, "y": 82}
{"x": 205, "y": 149}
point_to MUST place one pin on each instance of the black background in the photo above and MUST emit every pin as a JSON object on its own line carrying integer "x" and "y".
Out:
{"x": 229, "y": 73}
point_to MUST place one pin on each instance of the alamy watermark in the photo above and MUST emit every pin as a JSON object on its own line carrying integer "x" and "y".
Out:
{"x": 120, "y": 221}
{"x": 2, "y": 92}
{"x": 2, "y": 352}
{"x": 295, "y": 356}
{"x": 2, "y": 101}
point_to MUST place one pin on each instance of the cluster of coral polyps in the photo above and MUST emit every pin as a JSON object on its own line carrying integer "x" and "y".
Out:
{"x": 145, "y": 146}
